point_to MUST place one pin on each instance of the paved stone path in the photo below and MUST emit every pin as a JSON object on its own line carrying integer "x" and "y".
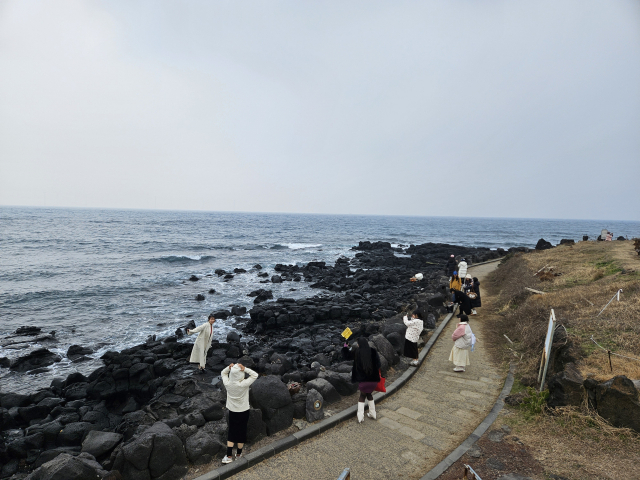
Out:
{"x": 416, "y": 428}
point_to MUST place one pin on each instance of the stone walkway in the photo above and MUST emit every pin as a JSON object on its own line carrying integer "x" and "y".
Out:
{"x": 416, "y": 428}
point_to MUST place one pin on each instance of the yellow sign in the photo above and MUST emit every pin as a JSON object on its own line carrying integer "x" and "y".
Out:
{"x": 347, "y": 333}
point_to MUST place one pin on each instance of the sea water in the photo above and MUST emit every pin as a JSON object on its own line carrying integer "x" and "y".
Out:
{"x": 108, "y": 279}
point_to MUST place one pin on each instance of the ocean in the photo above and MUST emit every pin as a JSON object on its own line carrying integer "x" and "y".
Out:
{"x": 108, "y": 279}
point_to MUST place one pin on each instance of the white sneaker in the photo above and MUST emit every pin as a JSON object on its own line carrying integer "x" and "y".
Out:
{"x": 413, "y": 363}
{"x": 227, "y": 459}
{"x": 238, "y": 456}
{"x": 473, "y": 312}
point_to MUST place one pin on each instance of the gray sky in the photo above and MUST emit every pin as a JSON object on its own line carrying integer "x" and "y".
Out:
{"x": 466, "y": 108}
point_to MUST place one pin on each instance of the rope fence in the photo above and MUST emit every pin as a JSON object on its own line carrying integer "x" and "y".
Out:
{"x": 609, "y": 352}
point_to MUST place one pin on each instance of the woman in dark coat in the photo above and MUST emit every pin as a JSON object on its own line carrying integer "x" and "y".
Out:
{"x": 366, "y": 372}
{"x": 476, "y": 302}
{"x": 464, "y": 301}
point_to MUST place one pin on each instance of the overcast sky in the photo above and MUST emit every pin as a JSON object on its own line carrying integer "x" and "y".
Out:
{"x": 465, "y": 108}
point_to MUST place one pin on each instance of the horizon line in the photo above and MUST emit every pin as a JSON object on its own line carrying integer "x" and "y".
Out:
{"x": 308, "y": 213}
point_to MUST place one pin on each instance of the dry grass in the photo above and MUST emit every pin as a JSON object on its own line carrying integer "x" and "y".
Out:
{"x": 578, "y": 446}
{"x": 591, "y": 274}
{"x": 572, "y": 441}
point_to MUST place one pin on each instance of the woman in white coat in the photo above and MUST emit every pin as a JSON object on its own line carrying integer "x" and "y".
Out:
{"x": 411, "y": 337}
{"x": 203, "y": 342}
{"x": 462, "y": 341}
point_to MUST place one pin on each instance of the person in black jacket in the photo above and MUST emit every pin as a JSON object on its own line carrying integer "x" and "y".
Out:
{"x": 451, "y": 266}
{"x": 366, "y": 372}
{"x": 464, "y": 301}
{"x": 476, "y": 302}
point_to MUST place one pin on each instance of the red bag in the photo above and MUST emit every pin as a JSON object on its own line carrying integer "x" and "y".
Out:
{"x": 380, "y": 387}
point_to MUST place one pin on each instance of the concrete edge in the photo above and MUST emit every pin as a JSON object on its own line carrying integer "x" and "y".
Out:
{"x": 454, "y": 456}
{"x": 253, "y": 458}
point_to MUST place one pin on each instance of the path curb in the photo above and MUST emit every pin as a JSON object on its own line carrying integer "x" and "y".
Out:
{"x": 250, "y": 459}
{"x": 454, "y": 456}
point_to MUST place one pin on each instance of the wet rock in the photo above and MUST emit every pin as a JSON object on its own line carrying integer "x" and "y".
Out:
{"x": 193, "y": 278}
{"x": 233, "y": 337}
{"x": 75, "y": 351}
{"x": 28, "y": 330}
{"x": 314, "y": 405}
{"x": 99, "y": 443}
{"x": 212, "y": 291}
{"x": 200, "y": 297}
{"x": 276, "y": 279}
{"x": 36, "y": 359}
{"x": 209, "y": 406}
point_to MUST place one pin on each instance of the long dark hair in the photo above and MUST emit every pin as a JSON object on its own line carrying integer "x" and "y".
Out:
{"x": 363, "y": 356}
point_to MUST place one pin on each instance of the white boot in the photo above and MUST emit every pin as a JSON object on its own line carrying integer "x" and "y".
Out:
{"x": 360, "y": 412}
{"x": 372, "y": 410}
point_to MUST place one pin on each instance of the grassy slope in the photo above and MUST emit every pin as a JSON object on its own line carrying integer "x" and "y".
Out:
{"x": 571, "y": 441}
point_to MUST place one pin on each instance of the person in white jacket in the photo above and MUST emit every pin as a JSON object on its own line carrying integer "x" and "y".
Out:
{"x": 411, "y": 337}
{"x": 203, "y": 342}
{"x": 462, "y": 268}
{"x": 237, "y": 386}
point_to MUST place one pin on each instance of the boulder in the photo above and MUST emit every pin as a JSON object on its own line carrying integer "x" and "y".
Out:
{"x": 256, "y": 428}
{"x": 208, "y": 405}
{"x": 276, "y": 279}
{"x": 543, "y": 245}
{"x": 202, "y": 447}
{"x": 340, "y": 381}
{"x": 314, "y": 406}
{"x": 68, "y": 467}
{"x": 10, "y": 400}
{"x": 617, "y": 401}
{"x": 397, "y": 341}
{"x": 74, "y": 433}
{"x": 385, "y": 349}
{"x": 328, "y": 391}
{"x": 156, "y": 453}
{"x": 565, "y": 388}
{"x": 100, "y": 443}
{"x": 77, "y": 351}
{"x": 272, "y": 397}
{"x": 36, "y": 359}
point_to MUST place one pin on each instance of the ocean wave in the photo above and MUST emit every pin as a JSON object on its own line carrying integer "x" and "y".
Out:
{"x": 295, "y": 246}
{"x": 184, "y": 258}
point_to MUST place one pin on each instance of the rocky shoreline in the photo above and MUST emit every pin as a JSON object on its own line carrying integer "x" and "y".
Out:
{"x": 147, "y": 414}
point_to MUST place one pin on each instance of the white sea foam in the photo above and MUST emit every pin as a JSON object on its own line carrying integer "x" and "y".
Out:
{"x": 302, "y": 246}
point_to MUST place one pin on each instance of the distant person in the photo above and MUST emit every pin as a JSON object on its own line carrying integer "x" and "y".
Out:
{"x": 476, "y": 302}
{"x": 412, "y": 335}
{"x": 238, "y": 405}
{"x": 450, "y": 267}
{"x": 462, "y": 342}
{"x": 203, "y": 342}
{"x": 455, "y": 283}
{"x": 609, "y": 237}
{"x": 464, "y": 301}
{"x": 366, "y": 372}
{"x": 462, "y": 268}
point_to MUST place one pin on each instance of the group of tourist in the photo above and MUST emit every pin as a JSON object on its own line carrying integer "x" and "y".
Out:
{"x": 366, "y": 372}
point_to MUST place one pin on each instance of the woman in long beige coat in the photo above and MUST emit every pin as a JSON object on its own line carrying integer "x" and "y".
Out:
{"x": 203, "y": 342}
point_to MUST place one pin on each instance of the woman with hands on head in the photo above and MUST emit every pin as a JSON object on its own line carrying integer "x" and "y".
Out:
{"x": 233, "y": 378}
{"x": 203, "y": 342}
